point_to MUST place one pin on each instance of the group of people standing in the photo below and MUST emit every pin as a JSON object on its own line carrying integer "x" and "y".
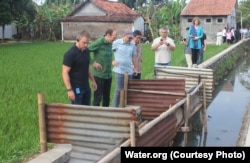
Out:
{"x": 79, "y": 66}
{"x": 77, "y": 69}
{"x": 195, "y": 43}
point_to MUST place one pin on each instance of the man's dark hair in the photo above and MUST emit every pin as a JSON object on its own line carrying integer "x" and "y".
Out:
{"x": 109, "y": 32}
{"x": 83, "y": 33}
{"x": 137, "y": 33}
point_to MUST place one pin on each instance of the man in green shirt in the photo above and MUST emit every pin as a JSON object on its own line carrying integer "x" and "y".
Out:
{"x": 102, "y": 50}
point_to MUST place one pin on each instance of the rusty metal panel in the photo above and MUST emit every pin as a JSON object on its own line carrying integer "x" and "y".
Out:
{"x": 91, "y": 130}
{"x": 155, "y": 96}
{"x": 192, "y": 77}
{"x": 169, "y": 85}
{"x": 161, "y": 134}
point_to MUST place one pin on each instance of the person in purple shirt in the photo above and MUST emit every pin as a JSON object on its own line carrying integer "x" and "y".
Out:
{"x": 137, "y": 41}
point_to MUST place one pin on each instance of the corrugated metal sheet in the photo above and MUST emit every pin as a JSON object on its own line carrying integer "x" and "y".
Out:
{"x": 192, "y": 77}
{"x": 156, "y": 106}
{"x": 92, "y": 131}
{"x": 155, "y": 96}
{"x": 160, "y": 135}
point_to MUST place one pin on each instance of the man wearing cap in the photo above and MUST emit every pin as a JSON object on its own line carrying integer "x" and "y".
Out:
{"x": 124, "y": 61}
{"x": 163, "y": 46}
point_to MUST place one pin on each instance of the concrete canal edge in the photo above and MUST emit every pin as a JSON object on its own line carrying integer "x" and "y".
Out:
{"x": 59, "y": 154}
{"x": 244, "y": 136}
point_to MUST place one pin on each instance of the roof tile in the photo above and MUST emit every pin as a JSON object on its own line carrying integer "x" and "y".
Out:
{"x": 209, "y": 7}
{"x": 115, "y": 12}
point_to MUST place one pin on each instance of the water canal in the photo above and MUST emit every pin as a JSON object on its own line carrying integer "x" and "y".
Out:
{"x": 226, "y": 113}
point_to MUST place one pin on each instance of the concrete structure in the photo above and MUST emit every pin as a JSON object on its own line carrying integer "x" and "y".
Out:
{"x": 10, "y": 30}
{"x": 214, "y": 15}
{"x": 59, "y": 154}
{"x": 97, "y": 16}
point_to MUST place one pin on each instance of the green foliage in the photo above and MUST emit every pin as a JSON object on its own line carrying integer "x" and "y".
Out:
{"x": 5, "y": 16}
{"x": 228, "y": 65}
{"x": 168, "y": 15}
{"x": 23, "y": 14}
{"x": 244, "y": 8}
{"x": 47, "y": 20}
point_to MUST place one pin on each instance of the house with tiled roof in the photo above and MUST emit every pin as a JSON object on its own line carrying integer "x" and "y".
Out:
{"x": 214, "y": 15}
{"x": 96, "y": 16}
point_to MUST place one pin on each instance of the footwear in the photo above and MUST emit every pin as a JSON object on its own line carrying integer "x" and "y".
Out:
{"x": 194, "y": 65}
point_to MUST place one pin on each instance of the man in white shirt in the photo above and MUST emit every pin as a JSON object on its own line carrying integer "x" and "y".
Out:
{"x": 163, "y": 46}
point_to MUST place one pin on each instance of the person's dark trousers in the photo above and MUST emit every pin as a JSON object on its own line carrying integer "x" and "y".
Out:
{"x": 103, "y": 92}
{"x": 83, "y": 97}
{"x": 200, "y": 55}
{"x": 224, "y": 39}
{"x": 136, "y": 76}
{"x": 195, "y": 53}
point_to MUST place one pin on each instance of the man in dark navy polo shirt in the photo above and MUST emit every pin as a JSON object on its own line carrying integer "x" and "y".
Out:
{"x": 76, "y": 71}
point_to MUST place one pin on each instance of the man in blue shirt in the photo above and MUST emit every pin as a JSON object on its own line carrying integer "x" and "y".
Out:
{"x": 125, "y": 58}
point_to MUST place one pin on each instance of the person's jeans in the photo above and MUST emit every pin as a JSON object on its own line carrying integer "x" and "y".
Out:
{"x": 163, "y": 64}
{"x": 119, "y": 79}
{"x": 103, "y": 92}
{"x": 82, "y": 98}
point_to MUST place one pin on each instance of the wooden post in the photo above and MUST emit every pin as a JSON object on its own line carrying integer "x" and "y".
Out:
{"x": 42, "y": 123}
{"x": 125, "y": 87}
{"x": 186, "y": 115}
{"x": 122, "y": 100}
{"x": 204, "y": 107}
{"x": 185, "y": 139}
{"x": 132, "y": 134}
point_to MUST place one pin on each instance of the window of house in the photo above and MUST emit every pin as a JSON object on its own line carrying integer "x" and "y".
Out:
{"x": 208, "y": 20}
{"x": 189, "y": 20}
{"x": 219, "y": 20}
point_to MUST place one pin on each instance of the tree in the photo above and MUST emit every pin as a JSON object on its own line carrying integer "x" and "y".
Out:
{"x": 129, "y": 3}
{"x": 245, "y": 9}
{"x": 5, "y": 15}
{"x": 47, "y": 19}
{"x": 168, "y": 15}
{"x": 23, "y": 14}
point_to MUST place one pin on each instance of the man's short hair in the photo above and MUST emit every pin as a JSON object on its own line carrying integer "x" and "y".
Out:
{"x": 137, "y": 33}
{"x": 165, "y": 28}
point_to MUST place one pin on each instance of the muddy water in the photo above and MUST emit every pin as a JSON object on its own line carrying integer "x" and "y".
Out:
{"x": 225, "y": 115}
